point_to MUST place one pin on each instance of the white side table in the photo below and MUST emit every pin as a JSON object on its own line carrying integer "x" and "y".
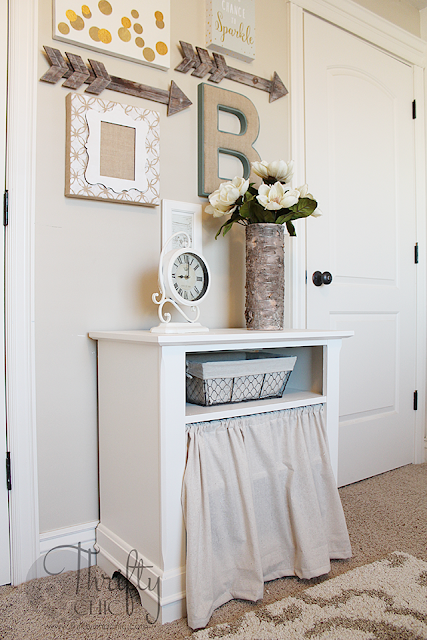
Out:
{"x": 142, "y": 444}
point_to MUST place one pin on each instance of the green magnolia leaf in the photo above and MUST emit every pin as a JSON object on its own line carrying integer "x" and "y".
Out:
{"x": 252, "y": 212}
{"x": 245, "y": 209}
{"x": 291, "y": 229}
{"x": 227, "y": 228}
{"x": 281, "y": 219}
{"x": 228, "y": 222}
{"x": 303, "y": 208}
{"x": 252, "y": 190}
{"x": 288, "y": 216}
{"x": 259, "y": 212}
{"x": 236, "y": 215}
{"x": 269, "y": 216}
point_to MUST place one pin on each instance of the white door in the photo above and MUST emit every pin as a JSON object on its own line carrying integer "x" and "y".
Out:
{"x": 4, "y": 507}
{"x": 360, "y": 168}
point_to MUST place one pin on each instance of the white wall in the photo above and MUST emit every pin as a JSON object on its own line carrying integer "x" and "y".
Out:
{"x": 423, "y": 24}
{"x": 96, "y": 263}
{"x": 399, "y": 12}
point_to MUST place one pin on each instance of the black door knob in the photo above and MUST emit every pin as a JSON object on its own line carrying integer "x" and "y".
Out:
{"x": 321, "y": 278}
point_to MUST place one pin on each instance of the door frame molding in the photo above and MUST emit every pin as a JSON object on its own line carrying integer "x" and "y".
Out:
{"x": 19, "y": 288}
{"x": 4, "y": 494}
{"x": 413, "y": 51}
{"x": 368, "y": 25}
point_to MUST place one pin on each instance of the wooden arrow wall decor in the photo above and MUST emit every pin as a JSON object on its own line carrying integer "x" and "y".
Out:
{"x": 202, "y": 64}
{"x": 96, "y": 76}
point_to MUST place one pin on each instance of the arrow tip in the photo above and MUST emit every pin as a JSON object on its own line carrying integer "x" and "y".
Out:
{"x": 178, "y": 101}
{"x": 278, "y": 89}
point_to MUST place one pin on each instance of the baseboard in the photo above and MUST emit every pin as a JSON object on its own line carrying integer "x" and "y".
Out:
{"x": 162, "y": 593}
{"x": 67, "y": 549}
{"x": 425, "y": 450}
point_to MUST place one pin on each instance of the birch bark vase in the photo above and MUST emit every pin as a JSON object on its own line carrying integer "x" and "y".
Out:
{"x": 265, "y": 277}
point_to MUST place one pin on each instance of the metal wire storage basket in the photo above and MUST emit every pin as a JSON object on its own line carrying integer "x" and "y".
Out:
{"x": 237, "y": 377}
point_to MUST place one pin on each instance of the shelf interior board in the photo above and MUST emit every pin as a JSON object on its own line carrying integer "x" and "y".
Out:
{"x": 291, "y": 399}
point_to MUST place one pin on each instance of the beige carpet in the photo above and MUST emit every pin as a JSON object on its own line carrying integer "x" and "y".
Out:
{"x": 384, "y": 514}
{"x": 385, "y": 599}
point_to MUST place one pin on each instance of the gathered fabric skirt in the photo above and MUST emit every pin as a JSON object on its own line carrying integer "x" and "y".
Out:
{"x": 260, "y": 502}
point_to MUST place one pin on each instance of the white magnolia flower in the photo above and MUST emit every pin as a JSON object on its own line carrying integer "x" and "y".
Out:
{"x": 222, "y": 201}
{"x": 260, "y": 168}
{"x": 217, "y": 211}
{"x": 304, "y": 194}
{"x": 279, "y": 169}
{"x": 241, "y": 184}
{"x": 276, "y": 197}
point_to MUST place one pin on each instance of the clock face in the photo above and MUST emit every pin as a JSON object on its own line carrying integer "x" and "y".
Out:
{"x": 189, "y": 277}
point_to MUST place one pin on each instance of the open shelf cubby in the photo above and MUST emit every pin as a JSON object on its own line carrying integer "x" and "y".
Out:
{"x": 305, "y": 387}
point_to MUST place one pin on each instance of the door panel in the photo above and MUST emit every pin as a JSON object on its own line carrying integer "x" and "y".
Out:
{"x": 359, "y": 173}
{"x": 360, "y": 167}
{"x": 378, "y": 335}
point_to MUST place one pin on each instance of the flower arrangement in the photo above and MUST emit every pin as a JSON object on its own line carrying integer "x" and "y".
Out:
{"x": 274, "y": 201}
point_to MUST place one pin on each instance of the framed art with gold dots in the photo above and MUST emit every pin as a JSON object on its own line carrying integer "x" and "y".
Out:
{"x": 138, "y": 30}
{"x": 113, "y": 151}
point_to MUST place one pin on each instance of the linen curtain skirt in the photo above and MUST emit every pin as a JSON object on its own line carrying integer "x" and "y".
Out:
{"x": 260, "y": 502}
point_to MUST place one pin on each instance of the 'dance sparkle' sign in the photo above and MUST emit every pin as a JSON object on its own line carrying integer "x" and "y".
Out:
{"x": 230, "y": 27}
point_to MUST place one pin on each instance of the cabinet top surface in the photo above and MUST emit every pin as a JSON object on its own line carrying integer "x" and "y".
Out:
{"x": 221, "y": 336}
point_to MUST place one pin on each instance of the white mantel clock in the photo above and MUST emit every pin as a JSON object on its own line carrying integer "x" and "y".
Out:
{"x": 184, "y": 280}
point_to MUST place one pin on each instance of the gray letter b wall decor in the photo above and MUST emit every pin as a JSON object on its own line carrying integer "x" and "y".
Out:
{"x": 212, "y": 141}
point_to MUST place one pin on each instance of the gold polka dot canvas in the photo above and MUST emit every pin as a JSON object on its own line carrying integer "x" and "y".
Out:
{"x": 138, "y": 30}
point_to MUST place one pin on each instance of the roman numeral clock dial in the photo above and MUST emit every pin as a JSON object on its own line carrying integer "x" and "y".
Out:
{"x": 189, "y": 277}
{"x": 184, "y": 282}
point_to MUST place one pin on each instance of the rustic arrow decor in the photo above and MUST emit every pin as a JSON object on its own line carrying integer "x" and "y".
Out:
{"x": 77, "y": 73}
{"x": 102, "y": 78}
{"x": 202, "y": 64}
{"x": 80, "y": 72}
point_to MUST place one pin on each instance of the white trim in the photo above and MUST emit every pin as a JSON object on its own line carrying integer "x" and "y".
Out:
{"x": 19, "y": 283}
{"x": 376, "y": 30}
{"x": 369, "y": 26}
{"x": 295, "y": 247}
{"x": 83, "y": 533}
{"x": 421, "y": 222}
{"x": 4, "y": 494}
{"x": 63, "y": 546}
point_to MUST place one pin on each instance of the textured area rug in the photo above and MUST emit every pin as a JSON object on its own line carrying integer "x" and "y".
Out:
{"x": 385, "y": 599}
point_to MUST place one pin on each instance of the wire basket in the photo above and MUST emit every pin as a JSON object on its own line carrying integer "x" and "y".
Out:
{"x": 243, "y": 376}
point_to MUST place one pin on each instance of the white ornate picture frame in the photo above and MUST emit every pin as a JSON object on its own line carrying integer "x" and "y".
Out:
{"x": 182, "y": 216}
{"x": 113, "y": 151}
{"x": 136, "y": 30}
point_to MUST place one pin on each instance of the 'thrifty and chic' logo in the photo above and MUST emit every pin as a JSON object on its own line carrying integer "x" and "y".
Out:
{"x": 94, "y": 592}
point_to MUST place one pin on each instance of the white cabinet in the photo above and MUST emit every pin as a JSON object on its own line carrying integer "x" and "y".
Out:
{"x": 142, "y": 442}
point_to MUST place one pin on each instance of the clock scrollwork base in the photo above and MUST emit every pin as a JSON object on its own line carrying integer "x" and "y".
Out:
{"x": 166, "y": 316}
